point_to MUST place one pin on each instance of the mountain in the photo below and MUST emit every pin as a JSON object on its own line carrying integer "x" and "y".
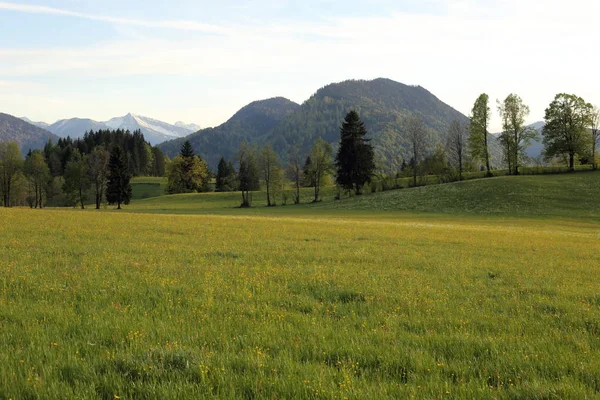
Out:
{"x": 154, "y": 131}
{"x": 28, "y": 136}
{"x": 383, "y": 105}
{"x": 252, "y": 123}
{"x": 42, "y": 125}
{"x": 75, "y": 127}
{"x": 189, "y": 127}
{"x": 537, "y": 146}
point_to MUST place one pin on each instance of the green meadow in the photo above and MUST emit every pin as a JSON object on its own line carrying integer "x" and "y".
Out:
{"x": 483, "y": 289}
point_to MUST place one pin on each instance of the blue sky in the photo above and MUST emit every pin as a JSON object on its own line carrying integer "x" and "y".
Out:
{"x": 200, "y": 61}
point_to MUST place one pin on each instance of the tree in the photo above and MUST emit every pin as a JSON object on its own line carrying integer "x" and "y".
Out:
{"x": 565, "y": 133}
{"x": 159, "y": 166}
{"x": 308, "y": 180}
{"x": 355, "y": 160}
{"x": 11, "y": 162}
{"x": 225, "y": 179}
{"x": 294, "y": 171}
{"x": 595, "y": 131}
{"x": 186, "y": 151}
{"x": 418, "y": 138}
{"x": 186, "y": 175}
{"x": 97, "y": 166}
{"x": 515, "y": 136}
{"x": 38, "y": 174}
{"x": 478, "y": 141}
{"x": 321, "y": 165}
{"x": 76, "y": 179}
{"x": 248, "y": 176}
{"x": 269, "y": 167}
{"x": 456, "y": 145}
{"x": 118, "y": 189}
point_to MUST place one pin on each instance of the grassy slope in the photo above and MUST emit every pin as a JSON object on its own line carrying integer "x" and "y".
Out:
{"x": 541, "y": 196}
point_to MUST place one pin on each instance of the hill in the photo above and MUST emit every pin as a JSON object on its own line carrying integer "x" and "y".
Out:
{"x": 252, "y": 123}
{"x": 28, "y": 136}
{"x": 538, "y": 196}
{"x": 383, "y": 105}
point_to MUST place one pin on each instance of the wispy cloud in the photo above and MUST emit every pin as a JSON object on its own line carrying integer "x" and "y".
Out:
{"x": 184, "y": 25}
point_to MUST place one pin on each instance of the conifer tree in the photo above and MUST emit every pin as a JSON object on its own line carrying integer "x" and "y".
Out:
{"x": 478, "y": 141}
{"x": 118, "y": 189}
{"x": 355, "y": 160}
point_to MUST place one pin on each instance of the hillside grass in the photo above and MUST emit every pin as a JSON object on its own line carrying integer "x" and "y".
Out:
{"x": 540, "y": 196}
{"x": 148, "y": 187}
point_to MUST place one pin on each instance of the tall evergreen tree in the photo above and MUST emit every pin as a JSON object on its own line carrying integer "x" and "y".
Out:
{"x": 187, "y": 150}
{"x": 118, "y": 189}
{"x": 355, "y": 160}
{"x": 478, "y": 141}
{"x": 225, "y": 179}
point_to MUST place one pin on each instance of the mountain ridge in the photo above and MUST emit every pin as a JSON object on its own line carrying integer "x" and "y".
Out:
{"x": 26, "y": 135}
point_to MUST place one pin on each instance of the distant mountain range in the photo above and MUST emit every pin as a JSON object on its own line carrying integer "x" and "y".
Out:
{"x": 28, "y": 136}
{"x": 383, "y": 105}
{"x": 154, "y": 131}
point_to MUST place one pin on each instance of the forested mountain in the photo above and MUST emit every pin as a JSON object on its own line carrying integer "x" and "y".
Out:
{"x": 252, "y": 123}
{"x": 383, "y": 105}
{"x": 26, "y": 135}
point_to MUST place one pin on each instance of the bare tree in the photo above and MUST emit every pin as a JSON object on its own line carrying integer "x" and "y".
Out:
{"x": 269, "y": 166}
{"x": 321, "y": 164}
{"x": 295, "y": 171}
{"x": 418, "y": 137}
{"x": 456, "y": 145}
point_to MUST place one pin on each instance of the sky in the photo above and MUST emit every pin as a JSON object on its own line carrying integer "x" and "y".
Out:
{"x": 200, "y": 61}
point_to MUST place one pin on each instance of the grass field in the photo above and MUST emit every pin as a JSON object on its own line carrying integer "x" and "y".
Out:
{"x": 482, "y": 289}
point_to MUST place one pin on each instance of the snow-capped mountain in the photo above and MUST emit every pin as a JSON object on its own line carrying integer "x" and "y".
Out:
{"x": 191, "y": 127}
{"x": 75, "y": 127}
{"x": 42, "y": 125}
{"x": 154, "y": 131}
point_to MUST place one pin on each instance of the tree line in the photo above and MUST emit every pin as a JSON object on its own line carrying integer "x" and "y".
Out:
{"x": 570, "y": 135}
{"x": 96, "y": 167}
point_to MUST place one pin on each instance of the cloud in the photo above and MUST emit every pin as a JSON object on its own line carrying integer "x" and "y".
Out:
{"x": 183, "y": 25}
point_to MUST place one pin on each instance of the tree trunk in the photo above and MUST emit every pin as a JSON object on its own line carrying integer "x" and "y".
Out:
{"x": 81, "y": 198}
{"x": 460, "y": 168}
{"x": 571, "y": 161}
{"x": 268, "y": 195}
{"x": 298, "y": 189}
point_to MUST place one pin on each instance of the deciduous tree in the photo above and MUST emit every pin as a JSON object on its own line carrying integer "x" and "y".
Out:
{"x": 566, "y": 131}
{"x": 321, "y": 165}
{"x": 456, "y": 145}
{"x": 11, "y": 162}
{"x": 38, "y": 174}
{"x": 97, "y": 169}
{"x": 248, "y": 176}
{"x": 478, "y": 141}
{"x": 515, "y": 136}
{"x": 269, "y": 167}
{"x": 294, "y": 171}
{"x": 76, "y": 179}
{"x": 418, "y": 137}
